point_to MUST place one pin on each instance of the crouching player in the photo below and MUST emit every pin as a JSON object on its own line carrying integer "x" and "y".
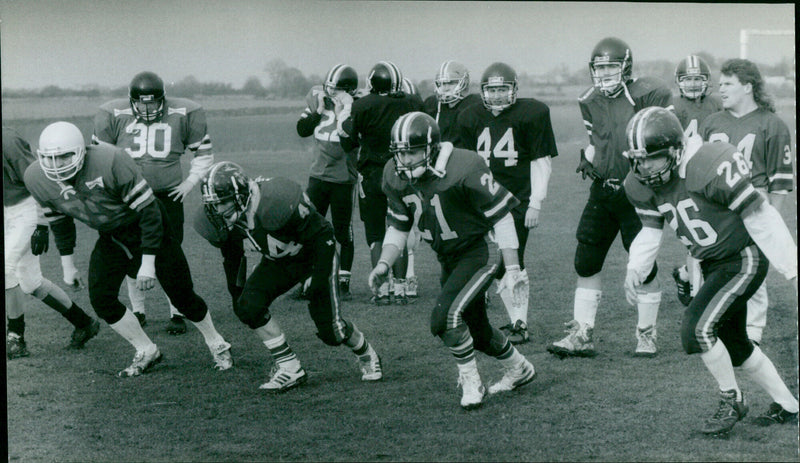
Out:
{"x": 450, "y": 195}
{"x": 704, "y": 192}
{"x": 296, "y": 242}
{"x": 101, "y": 186}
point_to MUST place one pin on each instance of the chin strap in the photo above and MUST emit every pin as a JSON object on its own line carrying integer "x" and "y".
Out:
{"x": 445, "y": 150}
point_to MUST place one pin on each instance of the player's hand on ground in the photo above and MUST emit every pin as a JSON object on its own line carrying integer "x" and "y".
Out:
{"x": 40, "y": 240}
{"x": 179, "y": 192}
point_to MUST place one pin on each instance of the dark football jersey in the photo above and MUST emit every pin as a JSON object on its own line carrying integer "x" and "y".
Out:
{"x": 286, "y": 222}
{"x": 764, "y": 140}
{"x": 509, "y": 141}
{"x": 370, "y": 125}
{"x": 607, "y": 118}
{"x": 331, "y": 163}
{"x": 17, "y": 156}
{"x": 452, "y": 212}
{"x": 156, "y": 147}
{"x": 446, "y": 115}
{"x": 107, "y": 193}
{"x": 705, "y": 204}
{"x": 692, "y": 112}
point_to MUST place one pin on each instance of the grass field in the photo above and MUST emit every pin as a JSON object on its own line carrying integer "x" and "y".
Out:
{"x": 69, "y": 406}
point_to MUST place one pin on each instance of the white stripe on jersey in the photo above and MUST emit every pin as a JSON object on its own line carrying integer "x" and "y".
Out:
{"x": 742, "y": 197}
{"x": 141, "y": 199}
{"x": 499, "y": 205}
{"x": 135, "y": 190}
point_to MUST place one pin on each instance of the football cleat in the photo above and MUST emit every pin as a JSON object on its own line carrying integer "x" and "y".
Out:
{"x": 684, "y": 287}
{"x": 729, "y": 412}
{"x": 16, "y": 346}
{"x": 577, "y": 343}
{"x": 776, "y": 414}
{"x": 142, "y": 318}
{"x": 80, "y": 336}
{"x": 646, "y": 342}
{"x": 473, "y": 390}
{"x": 344, "y": 289}
{"x": 514, "y": 377}
{"x": 142, "y": 361}
{"x": 370, "y": 364}
{"x": 222, "y": 356}
{"x": 516, "y": 333}
{"x": 411, "y": 287}
{"x": 176, "y": 325}
{"x": 281, "y": 380}
{"x": 399, "y": 292}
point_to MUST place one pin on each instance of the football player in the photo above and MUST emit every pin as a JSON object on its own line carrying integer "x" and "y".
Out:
{"x": 704, "y": 192}
{"x": 515, "y": 138}
{"x": 155, "y": 131}
{"x": 101, "y": 186}
{"x": 693, "y": 76}
{"x": 451, "y": 96}
{"x": 296, "y": 242}
{"x": 450, "y": 195}
{"x": 367, "y": 123}
{"x": 606, "y": 108}
{"x": 333, "y": 176}
{"x": 24, "y": 239}
{"x": 748, "y": 121}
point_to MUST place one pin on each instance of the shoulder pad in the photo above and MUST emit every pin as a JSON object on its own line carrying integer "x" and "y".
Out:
{"x": 701, "y": 168}
{"x": 635, "y": 190}
{"x": 181, "y": 105}
{"x": 278, "y": 200}
{"x": 118, "y": 107}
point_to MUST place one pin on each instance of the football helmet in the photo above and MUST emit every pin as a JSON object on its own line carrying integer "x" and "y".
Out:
{"x": 226, "y": 194}
{"x": 609, "y": 52}
{"x": 61, "y": 151}
{"x": 692, "y": 76}
{"x": 340, "y": 78}
{"x": 499, "y": 75}
{"x": 412, "y": 132}
{"x": 385, "y": 78}
{"x": 452, "y": 82}
{"x": 146, "y": 93}
{"x": 408, "y": 87}
{"x": 656, "y": 143}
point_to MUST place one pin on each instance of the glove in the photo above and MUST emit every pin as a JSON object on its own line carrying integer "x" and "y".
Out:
{"x": 146, "y": 276}
{"x": 632, "y": 283}
{"x": 72, "y": 276}
{"x": 40, "y": 240}
{"x": 586, "y": 169}
{"x": 378, "y": 276}
{"x": 516, "y": 280}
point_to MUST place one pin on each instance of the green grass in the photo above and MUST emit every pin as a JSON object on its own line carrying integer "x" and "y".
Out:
{"x": 69, "y": 406}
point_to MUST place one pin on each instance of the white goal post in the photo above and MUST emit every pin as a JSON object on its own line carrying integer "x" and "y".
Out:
{"x": 745, "y": 34}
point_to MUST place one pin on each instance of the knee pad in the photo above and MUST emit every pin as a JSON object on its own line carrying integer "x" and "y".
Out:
{"x": 589, "y": 259}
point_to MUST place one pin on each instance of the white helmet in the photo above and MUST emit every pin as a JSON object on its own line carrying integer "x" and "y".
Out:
{"x": 62, "y": 150}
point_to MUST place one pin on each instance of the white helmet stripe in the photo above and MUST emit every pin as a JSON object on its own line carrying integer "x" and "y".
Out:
{"x": 395, "y": 74}
{"x": 444, "y": 68}
{"x": 641, "y": 117}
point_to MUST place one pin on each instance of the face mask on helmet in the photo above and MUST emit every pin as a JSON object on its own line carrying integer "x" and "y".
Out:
{"x": 693, "y": 87}
{"x": 607, "y": 76}
{"x": 341, "y": 78}
{"x": 451, "y": 83}
{"x": 61, "y": 152}
{"x": 654, "y": 169}
{"x": 414, "y": 144}
{"x": 146, "y": 93}
{"x": 656, "y": 143}
{"x": 692, "y": 75}
{"x": 226, "y": 195}
{"x": 498, "y": 96}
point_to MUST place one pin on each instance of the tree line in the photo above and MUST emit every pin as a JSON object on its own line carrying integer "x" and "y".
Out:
{"x": 285, "y": 82}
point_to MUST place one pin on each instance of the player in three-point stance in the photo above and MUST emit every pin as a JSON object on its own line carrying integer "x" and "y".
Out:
{"x": 703, "y": 191}
{"x": 101, "y": 186}
{"x": 296, "y": 243}
{"x": 453, "y": 200}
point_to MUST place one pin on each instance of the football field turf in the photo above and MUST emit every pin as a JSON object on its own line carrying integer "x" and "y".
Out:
{"x": 70, "y": 406}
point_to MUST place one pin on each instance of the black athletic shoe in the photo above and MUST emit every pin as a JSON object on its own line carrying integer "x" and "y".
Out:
{"x": 775, "y": 415}
{"x": 80, "y": 336}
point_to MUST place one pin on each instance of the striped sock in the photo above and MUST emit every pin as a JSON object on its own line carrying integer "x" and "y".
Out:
{"x": 282, "y": 354}
{"x": 464, "y": 352}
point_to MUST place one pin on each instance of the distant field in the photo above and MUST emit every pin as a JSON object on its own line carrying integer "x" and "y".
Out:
{"x": 69, "y": 406}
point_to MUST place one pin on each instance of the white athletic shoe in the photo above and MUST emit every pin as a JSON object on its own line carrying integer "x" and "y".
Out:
{"x": 282, "y": 380}
{"x": 370, "y": 366}
{"x": 514, "y": 377}
{"x": 472, "y": 389}
{"x": 646, "y": 342}
{"x": 222, "y": 356}
{"x": 142, "y": 361}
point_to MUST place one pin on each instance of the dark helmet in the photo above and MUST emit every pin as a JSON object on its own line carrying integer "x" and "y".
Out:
{"x": 611, "y": 50}
{"x": 341, "y": 77}
{"x": 499, "y": 75}
{"x": 692, "y": 66}
{"x": 654, "y": 133}
{"x": 147, "y": 89}
{"x": 411, "y": 132}
{"x": 225, "y": 181}
{"x": 385, "y": 77}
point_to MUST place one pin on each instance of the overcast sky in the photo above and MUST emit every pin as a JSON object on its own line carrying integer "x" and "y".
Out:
{"x": 70, "y": 43}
